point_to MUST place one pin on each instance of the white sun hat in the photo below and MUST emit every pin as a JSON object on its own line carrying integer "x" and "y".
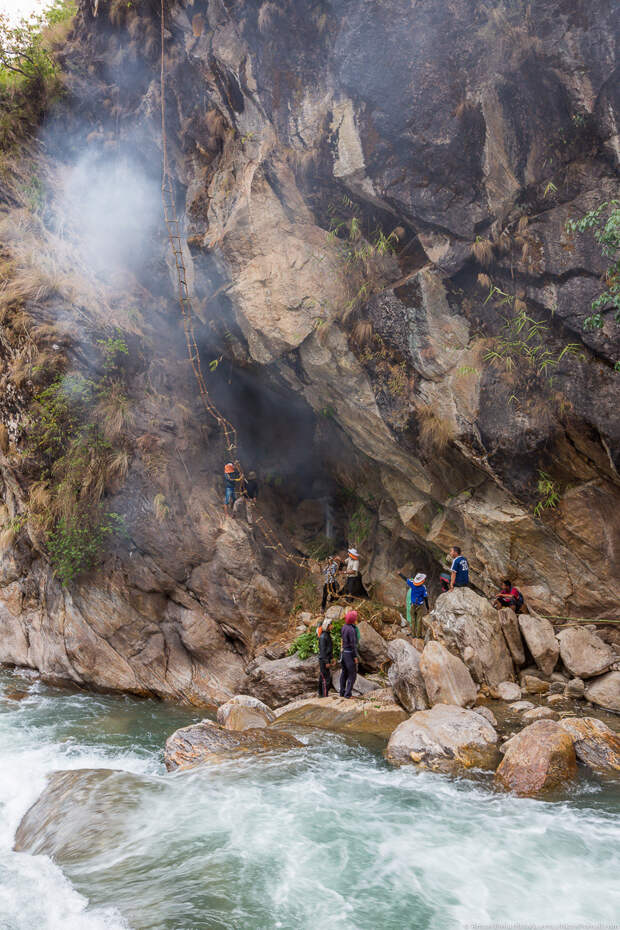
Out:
{"x": 420, "y": 578}
{"x": 354, "y": 553}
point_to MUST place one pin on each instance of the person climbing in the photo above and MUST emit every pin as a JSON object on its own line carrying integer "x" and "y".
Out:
{"x": 459, "y": 571}
{"x": 416, "y": 596}
{"x": 509, "y": 596}
{"x": 326, "y": 658}
{"x": 231, "y": 480}
{"x": 353, "y": 585}
{"x": 330, "y": 586}
{"x": 348, "y": 654}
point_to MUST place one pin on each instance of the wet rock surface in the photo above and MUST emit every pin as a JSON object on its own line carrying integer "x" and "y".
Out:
{"x": 206, "y": 742}
{"x": 595, "y": 744}
{"x": 444, "y": 738}
{"x": 244, "y": 712}
{"x": 539, "y": 758}
{"x": 364, "y": 716}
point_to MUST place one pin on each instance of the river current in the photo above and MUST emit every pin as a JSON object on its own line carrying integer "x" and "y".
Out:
{"x": 324, "y": 837}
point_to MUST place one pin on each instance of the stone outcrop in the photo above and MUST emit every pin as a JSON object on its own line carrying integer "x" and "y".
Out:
{"x": 359, "y": 716}
{"x": 446, "y": 678}
{"x": 539, "y": 758}
{"x": 372, "y": 648}
{"x": 405, "y": 676}
{"x": 583, "y": 653}
{"x": 605, "y": 691}
{"x": 595, "y": 744}
{"x": 462, "y": 619}
{"x": 296, "y": 135}
{"x": 539, "y": 635}
{"x": 531, "y": 684}
{"x": 244, "y": 712}
{"x": 278, "y": 681}
{"x": 506, "y": 691}
{"x": 444, "y": 738}
{"x": 512, "y": 634}
{"x": 77, "y": 811}
{"x": 206, "y": 742}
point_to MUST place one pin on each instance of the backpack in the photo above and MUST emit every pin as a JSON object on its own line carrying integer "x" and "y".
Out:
{"x": 519, "y": 599}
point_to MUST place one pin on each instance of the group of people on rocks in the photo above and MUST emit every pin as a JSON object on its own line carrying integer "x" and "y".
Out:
{"x": 416, "y": 598}
{"x": 349, "y": 655}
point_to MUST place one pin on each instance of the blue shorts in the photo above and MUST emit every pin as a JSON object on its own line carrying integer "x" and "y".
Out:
{"x": 230, "y": 495}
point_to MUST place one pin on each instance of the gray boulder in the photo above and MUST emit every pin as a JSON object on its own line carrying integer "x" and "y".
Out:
{"x": 584, "y": 653}
{"x": 372, "y": 648}
{"x": 509, "y": 623}
{"x": 279, "y": 681}
{"x": 463, "y": 619}
{"x": 206, "y": 742}
{"x": 540, "y": 638}
{"x": 405, "y": 677}
{"x": 446, "y": 677}
{"x": 445, "y": 738}
{"x": 506, "y": 691}
{"x": 605, "y": 691}
{"x": 244, "y": 712}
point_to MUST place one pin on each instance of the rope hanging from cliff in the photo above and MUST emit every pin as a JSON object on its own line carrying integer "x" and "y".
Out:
{"x": 187, "y": 311}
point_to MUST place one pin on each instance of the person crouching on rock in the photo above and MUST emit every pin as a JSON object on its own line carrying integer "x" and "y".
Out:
{"x": 326, "y": 658}
{"x": 509, "y": 596}
{"x": 348, "y": 654}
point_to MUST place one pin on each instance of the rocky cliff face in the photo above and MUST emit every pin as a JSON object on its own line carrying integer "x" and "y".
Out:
{"x": 374, "y": 199}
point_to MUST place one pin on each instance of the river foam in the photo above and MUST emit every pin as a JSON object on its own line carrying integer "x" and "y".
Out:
{"x": 327, "y": 836}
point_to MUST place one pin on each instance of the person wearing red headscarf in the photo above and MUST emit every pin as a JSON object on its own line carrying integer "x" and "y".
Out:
{"x": 348, "y": 654}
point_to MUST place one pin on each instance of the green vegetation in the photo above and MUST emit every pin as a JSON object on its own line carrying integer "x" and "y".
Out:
{"x": 548, "y": 491}
{"x": 29, "y": 72}
{"x": 525, "y": 340}
{"x": 76, "y": 440}
{"x": 307, "y": 644}
{"x": 604, "y": 222}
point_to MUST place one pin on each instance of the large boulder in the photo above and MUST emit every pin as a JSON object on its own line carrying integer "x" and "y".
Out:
{"x": 595, "y": 744}
{"x": 279, "y": 681}
{"x": 244, "y": 712}
{"x": 361, "y": 687}
{"x": 509, "y": 623}
{"x": 372, "y": 648}
{"x": 206, "y": 742}
{"x": 540, "y": 638}
{"x": 463, "y": 619}
{"x": 79, "y": 812}
{"x": 446, "y": 678}
{"x": 405, "y": 677}
{"x": 344, "y": 715}
{"x": 584, "y": 653}
{"x": 605, "y": 691}
{"x": 444, "y": 738}
{"x": 537, "y": 759}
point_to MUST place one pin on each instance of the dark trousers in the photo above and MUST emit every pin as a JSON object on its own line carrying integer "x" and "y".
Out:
{"x": 325, "y": 678}
{"x": 331, "y": 589}
{"x": 348, "y": 674}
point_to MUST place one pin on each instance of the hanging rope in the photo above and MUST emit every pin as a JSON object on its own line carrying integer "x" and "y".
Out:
{"x": 173, "y": 228}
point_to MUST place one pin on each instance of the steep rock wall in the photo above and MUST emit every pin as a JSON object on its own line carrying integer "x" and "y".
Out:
{"x": 297, "y": 132}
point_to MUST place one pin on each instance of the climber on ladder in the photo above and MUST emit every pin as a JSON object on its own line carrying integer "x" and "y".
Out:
{"x": 232, "y": 479}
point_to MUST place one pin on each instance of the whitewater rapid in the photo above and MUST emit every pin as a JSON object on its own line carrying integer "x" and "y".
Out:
{"x": 324, "y": 837}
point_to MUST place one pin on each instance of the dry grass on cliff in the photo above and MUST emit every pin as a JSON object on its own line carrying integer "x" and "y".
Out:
{"x": 435, "y": 431}
{"x": 482, "y": 250}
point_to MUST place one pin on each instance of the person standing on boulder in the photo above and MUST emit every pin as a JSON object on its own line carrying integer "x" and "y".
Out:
{"x": 416, "y": 596}
{"x": 348, "y": 654}
{"x": 326, "y": 658}
{"x": 459, "y": 572}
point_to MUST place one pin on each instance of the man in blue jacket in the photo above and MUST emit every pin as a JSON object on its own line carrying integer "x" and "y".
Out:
{"x": 459, "y": 577}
